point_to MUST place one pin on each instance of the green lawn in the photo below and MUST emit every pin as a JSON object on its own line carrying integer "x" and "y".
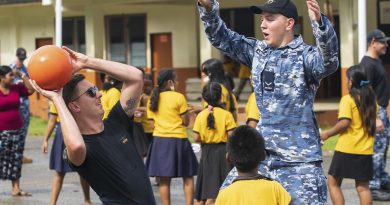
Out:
{"x": 330, "y": 143}
{"x": 37, "y": 126}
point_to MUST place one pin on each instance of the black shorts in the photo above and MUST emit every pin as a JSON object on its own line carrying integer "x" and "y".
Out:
{"x": 352, "y": 166}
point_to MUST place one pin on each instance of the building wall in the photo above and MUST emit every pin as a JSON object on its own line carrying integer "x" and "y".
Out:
{"x": 20, "y": 25}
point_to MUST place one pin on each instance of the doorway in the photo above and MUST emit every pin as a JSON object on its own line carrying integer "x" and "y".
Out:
{"x": 39, "y": 42}
{"x": 161, "y": 53}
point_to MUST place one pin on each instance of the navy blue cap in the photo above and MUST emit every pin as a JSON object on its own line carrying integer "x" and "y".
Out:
{"x": 377, "y": 35}
{"x": 284, "y": 7}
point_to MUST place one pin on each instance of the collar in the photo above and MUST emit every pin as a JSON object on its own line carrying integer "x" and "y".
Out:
{"x": 254, "y": 177}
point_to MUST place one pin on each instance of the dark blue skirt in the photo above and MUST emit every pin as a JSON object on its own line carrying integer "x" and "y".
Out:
{"x": 213, "y": 169}
{"x": 351, "y": 166}
{"x": 171, "y": 157}
{"x": 56, "y": 161}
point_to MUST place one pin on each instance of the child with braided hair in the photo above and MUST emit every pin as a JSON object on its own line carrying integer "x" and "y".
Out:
{"x": 212, "y": 127}
{"x": 213, "y": 69}
{"x": 170, "y": 154}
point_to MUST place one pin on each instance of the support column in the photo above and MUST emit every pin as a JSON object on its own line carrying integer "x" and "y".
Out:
{"x": 362, "y": 26}
{"x": 58, "y": 13}
{"x": 348, "y": 39}
{"x": 94, "y": 39}
{"x": 94, "y": 31}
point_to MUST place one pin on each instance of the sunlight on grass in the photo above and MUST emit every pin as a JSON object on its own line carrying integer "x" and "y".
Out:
{"x": 330, "y": 143}
{"x": 189, "y": 135}
{"x": 37, "y": 126}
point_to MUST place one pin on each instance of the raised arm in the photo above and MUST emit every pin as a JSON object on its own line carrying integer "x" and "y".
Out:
{"x": 322, "y": 60}
{"x": 24, "y": 78}
{"x": 131, "y": 77}
{"x": 235, "y": 45}
{"x": 73, "y": 140}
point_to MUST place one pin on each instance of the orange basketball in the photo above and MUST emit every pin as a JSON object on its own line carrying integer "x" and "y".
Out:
{"x": 50, "y": 66}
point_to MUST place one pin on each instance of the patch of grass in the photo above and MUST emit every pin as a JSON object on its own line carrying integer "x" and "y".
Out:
{"x": 37, "y": 126}
{"x": 330, "y": 143}
{"x": 189, "y": 135}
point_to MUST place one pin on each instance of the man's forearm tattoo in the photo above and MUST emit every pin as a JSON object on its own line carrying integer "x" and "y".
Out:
{"x": 131, "y": 105}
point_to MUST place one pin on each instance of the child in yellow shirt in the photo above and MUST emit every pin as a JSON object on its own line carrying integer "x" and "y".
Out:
{"x": 213, "y": 68}
{"x": 110, "y": 94}
{"x": 170, "y": 154}
{"x": 245, "y": 150}
{"x": 212, "y": 127}
{"x": 354, "y": 149}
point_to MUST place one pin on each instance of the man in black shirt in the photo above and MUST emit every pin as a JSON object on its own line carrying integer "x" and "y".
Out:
{"x": 376, "y": 73}
{"x": 103, "y": 152}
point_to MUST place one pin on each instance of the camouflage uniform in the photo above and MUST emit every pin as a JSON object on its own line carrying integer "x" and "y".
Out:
{"x": 285, "y": 82}
{"x": 381, "y": 143}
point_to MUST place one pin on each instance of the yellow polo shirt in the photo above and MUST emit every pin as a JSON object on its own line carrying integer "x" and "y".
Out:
{"x": 167, "y": 119}
{"x": 253, "y": 192}
{"x": 53, "y": 111}
{"x": 353, "y": 140}
{"x": 148, "y": 127}
{"x": 251, "y": 109}
{"x": 224, "y": 122}
{"x": 109, "y": 99}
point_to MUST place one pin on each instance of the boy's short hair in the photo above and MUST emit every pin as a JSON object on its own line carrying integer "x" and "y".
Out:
{"x": 246, "y": 148}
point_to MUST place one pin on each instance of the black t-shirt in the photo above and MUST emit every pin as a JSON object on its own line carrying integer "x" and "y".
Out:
{"x": 377, "y": 76}
{"x": 112, "y": 166}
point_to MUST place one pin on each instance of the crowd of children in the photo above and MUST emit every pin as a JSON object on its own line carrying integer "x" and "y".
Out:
{"x": 164, "y": 115}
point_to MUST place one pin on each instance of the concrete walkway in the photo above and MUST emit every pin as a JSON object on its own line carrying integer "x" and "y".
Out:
{"x": 37, "y": 178}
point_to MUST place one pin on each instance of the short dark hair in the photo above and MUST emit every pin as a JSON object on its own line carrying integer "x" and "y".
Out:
{"x": 69, "y": 91}
{"x": 4, "y": 70}
{"x": 246, "y": 148}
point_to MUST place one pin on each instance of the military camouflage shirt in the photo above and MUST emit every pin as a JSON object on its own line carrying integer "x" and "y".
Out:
{"x": 285, "y": 82}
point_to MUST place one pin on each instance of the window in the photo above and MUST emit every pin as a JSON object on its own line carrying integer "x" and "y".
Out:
{"x": 240, "y": 20}
{"x": 126, "y": 39}
{"x": 73, "y": 33}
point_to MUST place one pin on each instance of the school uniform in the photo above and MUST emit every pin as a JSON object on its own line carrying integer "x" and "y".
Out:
{"x": 148, "y": 127}
{"x": 251, "y": 109}
{"x": 56, "y": 161}
{"x": 213, "y": 167}
{"x": 170, "y": 154}
{"x": 109, "y": 98}
{"x": 355, "y": 147}
{"x": 259, "y": 191}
